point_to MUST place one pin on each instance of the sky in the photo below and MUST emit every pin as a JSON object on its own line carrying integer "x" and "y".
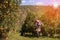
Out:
{"x": 40, "y": 2}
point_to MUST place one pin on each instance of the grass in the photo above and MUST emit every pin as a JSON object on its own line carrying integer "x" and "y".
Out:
{"x": 40, "y": 38}
{"x": 16, "y": 36}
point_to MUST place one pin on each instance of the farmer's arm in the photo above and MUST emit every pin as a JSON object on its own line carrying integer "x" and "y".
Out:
{"x": 42, "y": 24}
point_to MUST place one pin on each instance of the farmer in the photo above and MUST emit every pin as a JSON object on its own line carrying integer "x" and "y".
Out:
{"x": 38, "y": 27}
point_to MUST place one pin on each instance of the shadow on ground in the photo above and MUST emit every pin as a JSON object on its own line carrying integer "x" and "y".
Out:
{"x": 33, "y": 36}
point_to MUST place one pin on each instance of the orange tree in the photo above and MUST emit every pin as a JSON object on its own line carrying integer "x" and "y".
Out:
{"x": 51, "y": 23}
{"x": 8, "y": 15}
{"x": 28, "y": 25}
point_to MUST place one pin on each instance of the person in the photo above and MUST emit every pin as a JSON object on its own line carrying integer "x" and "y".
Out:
{"x": 38, "y": 27}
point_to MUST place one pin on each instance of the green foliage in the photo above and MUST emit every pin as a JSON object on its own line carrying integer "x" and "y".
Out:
{"x": 49, "y": 20}
{"x": 29, "y": 23}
